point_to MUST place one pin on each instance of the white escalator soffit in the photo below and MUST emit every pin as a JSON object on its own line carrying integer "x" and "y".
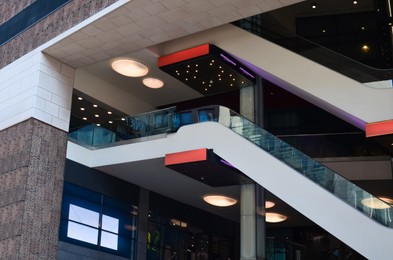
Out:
{"x": 346, "y": 98}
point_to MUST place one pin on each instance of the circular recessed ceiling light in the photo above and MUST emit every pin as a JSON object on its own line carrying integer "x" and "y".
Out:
{"x": 129, "y": 68}
{"x": 219, "y": 200}
{"x": 272, "y": 217}
{"x": 377, "y": 203}
{"x": 153, "y": 83}
{"x": 269, "y": 204}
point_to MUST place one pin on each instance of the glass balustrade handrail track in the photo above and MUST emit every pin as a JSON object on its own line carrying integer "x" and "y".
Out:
{"x": 314, "y": 171}
{"x": 169, "y": 121}
{"x": 324, "y": 56}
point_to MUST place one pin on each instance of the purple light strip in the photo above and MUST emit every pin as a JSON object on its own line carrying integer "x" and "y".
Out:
{"x": 228, "y": 59}
{"x": 247, "y": 73}
{"x": 227, "y": 163}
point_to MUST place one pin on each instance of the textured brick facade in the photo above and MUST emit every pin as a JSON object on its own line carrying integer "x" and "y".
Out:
{"x": 32, "y": 157}
{"x": 59, "y": 21}
{"x": 9, "y": 8}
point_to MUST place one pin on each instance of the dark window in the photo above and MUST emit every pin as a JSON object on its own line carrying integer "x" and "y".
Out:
{"x": 96, "y": 221}
{"x": 28, "y": 17}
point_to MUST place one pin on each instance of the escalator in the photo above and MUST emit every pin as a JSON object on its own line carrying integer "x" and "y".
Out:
{"x": 330, "y": 90}
{"x": 323, "y": 196}
{"x": 317, "y": 192}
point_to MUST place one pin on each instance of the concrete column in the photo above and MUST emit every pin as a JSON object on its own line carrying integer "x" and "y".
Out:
{"x": 252, "y": 222}
{"x": 252, "y": 208}
{"x": 32, "y": 158}
{"x": 247, "y": 102}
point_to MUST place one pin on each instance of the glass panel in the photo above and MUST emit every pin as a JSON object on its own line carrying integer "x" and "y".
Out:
{"x": 311, "y": 50}
{"x": 207, "y": 114}
{"x": 110, "y": 224}
{"x": 82, "y": 233}
{"x": 84, "y": 216}
{"x": 147, "y": 124}
{"x": 109, "y": 240}
{"x": 185, "y": 118}
{"x": 315, "y": 171}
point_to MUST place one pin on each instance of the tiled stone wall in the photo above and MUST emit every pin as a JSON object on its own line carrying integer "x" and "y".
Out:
{"x": 9, "y": 8}
{"x": 32, "y": 157}
{"x": 38, "y": 86}
{"x": 59, "y": 21}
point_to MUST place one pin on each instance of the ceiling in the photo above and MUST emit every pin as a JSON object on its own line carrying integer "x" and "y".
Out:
{"x": 135, "y": 30}
{"x": 152, "y": 175}
{"x": 173, "y": 90}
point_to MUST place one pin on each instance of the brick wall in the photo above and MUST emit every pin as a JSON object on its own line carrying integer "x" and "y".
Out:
{"x": 59, "y": 21}
{"x": 9, "y": 8}
{"x": 32, "y": 157}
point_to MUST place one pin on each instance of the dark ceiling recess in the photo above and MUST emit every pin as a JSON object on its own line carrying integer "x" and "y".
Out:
{"x": 86, "y": 110}
{"x": 205, "y": 166}
{"x": 207, "y": 69}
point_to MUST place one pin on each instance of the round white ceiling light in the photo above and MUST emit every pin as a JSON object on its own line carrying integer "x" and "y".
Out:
{"x": 269, "y": 204}
{"x": 273, "y": 217}
{"x": 219, "y": 200}
{"x": 153, "y": 83}
{"x": 377, "y": 203}
{"x": 129, "y": 68}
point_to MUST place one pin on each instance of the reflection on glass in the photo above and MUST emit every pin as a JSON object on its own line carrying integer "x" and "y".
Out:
{"x": 313, "y": 170}
{"x": 82, "y": 233}
{"x": 83, "y": 216}
{"x": 110, "y": 224}
{"x": 109, "y": 240}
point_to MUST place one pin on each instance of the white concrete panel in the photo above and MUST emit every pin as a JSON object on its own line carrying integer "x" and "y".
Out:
{"x": 61, "y": 124}
{"x": 36, "y": 86}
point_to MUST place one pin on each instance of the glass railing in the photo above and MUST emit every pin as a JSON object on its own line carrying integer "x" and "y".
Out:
{"x": 313, "y": 170}
{"x": 133, "y": 127}
{"x": 169, "y": 120}
{"x": 324, "y": 56}
{"x": 144, "y": 125}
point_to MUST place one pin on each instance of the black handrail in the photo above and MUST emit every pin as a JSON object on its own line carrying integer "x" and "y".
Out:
{"x": 313, "y": 51}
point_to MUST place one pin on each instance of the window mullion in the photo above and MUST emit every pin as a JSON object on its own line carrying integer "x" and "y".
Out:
{"x": 100, "y": 221}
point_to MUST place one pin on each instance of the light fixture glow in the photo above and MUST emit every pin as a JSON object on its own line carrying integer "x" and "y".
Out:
{"x": 129, "y": 68}
{"x": 313, "y": 5}
{"x": 365, "y": 48}
{"x": 179, "y": 223}
{"x": 269, "y": 204}
{"x": 273, "y": 217}
{"x": 80, "y": 98}
{"x": 377, "y": 203}
{"x": 153, "y": 83}
{"x": 219, "y": 200}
